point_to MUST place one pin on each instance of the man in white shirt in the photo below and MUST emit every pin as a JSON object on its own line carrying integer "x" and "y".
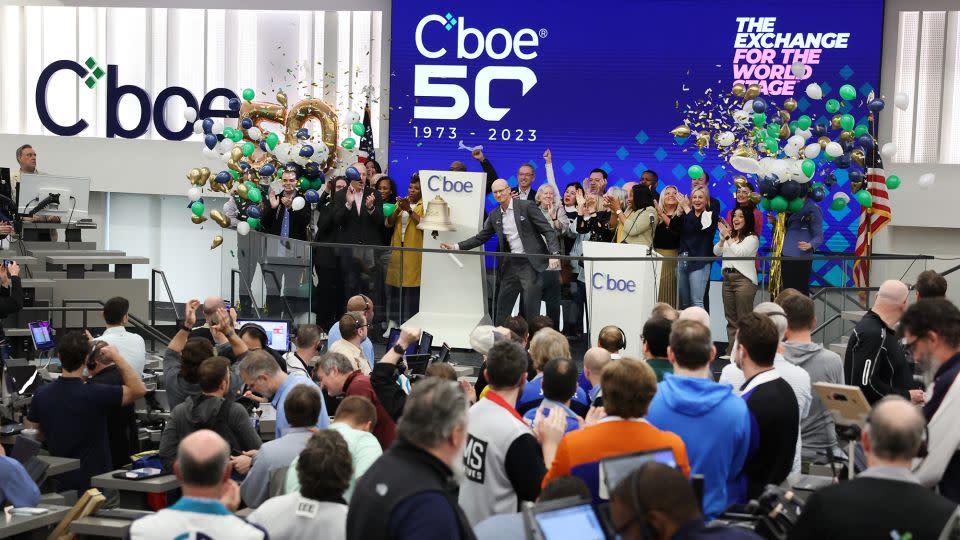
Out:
{"x": 131, "y": 346}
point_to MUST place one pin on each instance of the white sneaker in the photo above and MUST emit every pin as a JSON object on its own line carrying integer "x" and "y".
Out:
{"x": 390, "y": 326}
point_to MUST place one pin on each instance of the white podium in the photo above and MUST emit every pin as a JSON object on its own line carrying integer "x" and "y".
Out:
{"x": 620, "y": 293}
{"x": 452, "y": 298}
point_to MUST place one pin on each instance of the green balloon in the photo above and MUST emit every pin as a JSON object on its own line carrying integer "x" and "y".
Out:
{"x": 793, "y": 126}
{"x": 389, "y": 209}
{"x": 303, "y": 184}
{"x": 272, "y": 140}
{"x": 808, "y": 167}
{"x": 772, "y": 145}
{"x": 848, "y": 92}
{"x": 253, "y": 195}
{"x": 893, "y": 181}
{"x": 316, "y": 184}
{"x": 846, "y": 122}
{"x": 773, "y": 130}
{"x": 234, "y": 174}
{"x": 860, "y": 130}
{"x": 359, "y": 129}
{"x": 804, "y": 122}
{"x": 778, "y": 204}
{"x": 250, "y": 185}
{"x": 235, "y": 135}
{"x": 759, "y": 119}
{"x": 348, "y": 143}
{"x": 253, "y": 222}
{"x": 197, "y": 208}
{"x": 765, "y": 204}
{"x": 864, "y": 198}
{"x": 248, "y": 148}
{"x": 795, "y": 205}
{"x": 695, "y": 171}
{"x": 248, "y": 94}
{"x": 832, "y": 106}
{"x": 838, "y": 203}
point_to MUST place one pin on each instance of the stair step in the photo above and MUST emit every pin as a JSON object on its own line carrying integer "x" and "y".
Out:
{"x": 854, "y": 316}
{"x": 839, "y": 348}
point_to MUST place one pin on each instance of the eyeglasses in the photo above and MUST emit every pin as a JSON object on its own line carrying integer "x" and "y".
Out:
{"x": 908, "y": 347}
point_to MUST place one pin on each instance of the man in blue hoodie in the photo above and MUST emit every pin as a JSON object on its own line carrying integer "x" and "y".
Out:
{"x": 712, "y": 421}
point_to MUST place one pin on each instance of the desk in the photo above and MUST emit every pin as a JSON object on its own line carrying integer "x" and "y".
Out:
{"x": 101, "y": 527}
{"x": 133, "y": 492}
{"x": 14, "y": 525}
{"x": 45, "y": 254}
{"x": 31, "y": 231}
{"x": 59, "y": 465}
{"x": 123, "y": 265}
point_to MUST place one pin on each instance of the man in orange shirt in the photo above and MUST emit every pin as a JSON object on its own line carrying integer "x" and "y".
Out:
{"x": 628, "y": 387}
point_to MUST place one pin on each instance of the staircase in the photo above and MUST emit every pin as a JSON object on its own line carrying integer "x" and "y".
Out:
{"x": 854, "y": 317}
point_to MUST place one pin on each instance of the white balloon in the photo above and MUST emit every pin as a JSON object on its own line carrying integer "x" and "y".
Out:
{"x": 796, "y": 172}
{"x": 226, "y": 146}
{"x": 901, "y": 100}
{"x": 834, "y": 149}
{"x": 798, "y": 69}
{"x": 792, "y": 150}
{"x": 812, "y": 150}
{"x": 217, "y": 127}
{"x": 888, "y": 150}
{"x": 803, "y": 133}
{"x": 198, "y": 127}
{"x": 724, "y": 139}
{"x": 748, "y": 107}
{"x": 243, "y": 228}
{"x": 321, "y": 153}
{"x": 926, "y": 180}
{"x": 298, "y": 203}
{"x": 744, "y": 164}
{"x": 814, "y": 91}
{"x": 193, "y": 194}
{"x": 254, "y": 133}
{"x": 190, "y": 114}
{"x": 796, "y": 140}
{"x": 841, "y": 195}
{"x": 740, "y": 116}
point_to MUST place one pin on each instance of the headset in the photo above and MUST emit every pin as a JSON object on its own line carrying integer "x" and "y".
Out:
{"x": 623, "y": 338}
{"x": 647, "y": 530}
{"x": 255, "y": 328}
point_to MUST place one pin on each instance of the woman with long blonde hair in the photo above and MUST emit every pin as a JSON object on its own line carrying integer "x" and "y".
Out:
{"x": 666, "y": 243}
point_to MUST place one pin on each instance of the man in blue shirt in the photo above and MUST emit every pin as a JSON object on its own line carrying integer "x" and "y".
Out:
{"x": 73, "y": 415}
{"x": 356, "y": 303}
{"x": 262, "y": 375}
{"x": 16, "y": 486}
{"x": 803, "y": 236}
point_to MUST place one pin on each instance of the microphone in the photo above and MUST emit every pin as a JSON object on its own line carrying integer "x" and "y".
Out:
{"x": 652, "y": 225}
{"x": 72, "y": 208}
{"x": 48, "y": 200}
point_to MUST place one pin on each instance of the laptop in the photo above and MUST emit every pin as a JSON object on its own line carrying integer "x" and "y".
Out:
{"x": 614, "y": 469}
{"x": 570, "y": 517}
{"x": 24, "y": 449}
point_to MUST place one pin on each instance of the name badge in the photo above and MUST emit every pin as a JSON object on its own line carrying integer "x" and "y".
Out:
{"x": 307, "y": 508}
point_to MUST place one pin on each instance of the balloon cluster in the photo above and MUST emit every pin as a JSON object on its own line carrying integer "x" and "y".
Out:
{"x": 792, "y": 158}
{"x": 268, "y": 140}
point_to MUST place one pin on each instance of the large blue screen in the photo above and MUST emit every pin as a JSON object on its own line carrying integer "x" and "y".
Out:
{"x": 599, "y": 83}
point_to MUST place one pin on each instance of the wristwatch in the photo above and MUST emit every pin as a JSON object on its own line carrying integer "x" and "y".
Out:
{"x": 398, "y": 349}
{"x": 619, "y": 212}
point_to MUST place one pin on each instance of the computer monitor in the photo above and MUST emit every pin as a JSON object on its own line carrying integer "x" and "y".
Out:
{"x": 614, "y": 469}
{"x": 42, "y": 337}
{"x": 34, "y": 188}
{"x": 278, "y": 332}
{"x": 577, "y": 519}
{"x": 392, "y": 340}
{"x": 426, "y": 341}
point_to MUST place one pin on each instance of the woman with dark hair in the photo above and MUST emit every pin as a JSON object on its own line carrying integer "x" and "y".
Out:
{"x": 572, "y": 278}
{"x": 743, "y": 197}
{"x": 640, "y": 220}
{"x": 255, "y": 337}
{"x": 737, "y": 239}
{"x": 374, "y": 168}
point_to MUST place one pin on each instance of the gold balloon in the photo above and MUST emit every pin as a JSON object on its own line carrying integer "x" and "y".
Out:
{"x": 236, "y": 153}
{"x": 784, "y": 131}
{"x": 790, "y": 104}
{"x": 823, "y": 142}
{"x": 846, "y": 136}
{"x": 217, "y": 186}
{"x": 197, "y": 219}
{"x": 242, "y": 190}
{"x": 282, "y": 98}
{"x": 194, "y": 176}
{"x": 204, "y": 175}
{"x": 784, "y": 117}
{"x": 680, "y": 131}
{"x": 752, "y": 91}
{"x": 855, "y": 186}
{"x": 835, "y": 122}
{"x": 219, "y": 218}
{"x": 739, "y": 89}
{"x": 857, "y": 157}
{"x": 314, "y": 109}
{"x": 755, "y": 198}
{"x": 217, "y": 240}
{"x": 703, "y": 139}
{"x": 234, "y": 166}
{"x": 739, "y": 181}
{"x": 744, "y": 151}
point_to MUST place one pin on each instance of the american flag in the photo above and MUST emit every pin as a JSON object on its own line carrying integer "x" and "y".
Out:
{"x": 872, "y": 219}
{"x": 366, "y": 142}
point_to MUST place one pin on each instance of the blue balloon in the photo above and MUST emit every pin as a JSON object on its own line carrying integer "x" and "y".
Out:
{"x": 768, "y": 187}
{"x": 246, "y": 123}
{"x": 220, "y": 137}
{"x": 855, "y": 175}
{"x": 311, "y": 196}
{"x": 267, "y": 170}
{"x": 234, "y": 104}
{"x": 210, "y": 140}
{"x": 352, "y": 174}
{"x": 244, "y": 166}
{"x": 819, "y": 130}
{"x": 843, "y": 161}
{"x": 866, "y": 142}
{"x": 876, "y": 105}
{"x": 312, "y": 170}
{"x": 207, "y": 125}
{"x": 804, "y": 189}
{"x": 306, "y": 151}
{"x": 759, "y": 105}
{"x": 830, "y": 180}
{"x": 790, "y": 189}
{"x": 818, "y": 193}
{"x": 223, "y": 177}
{"x": 253, "y": 211}
{"x": 320, "y": 176}
{"x": 303, "y": 133}
{"x": 263, "y": 145}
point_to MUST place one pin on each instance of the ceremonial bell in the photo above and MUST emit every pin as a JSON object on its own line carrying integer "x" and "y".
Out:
{"x": 437, "y": 217}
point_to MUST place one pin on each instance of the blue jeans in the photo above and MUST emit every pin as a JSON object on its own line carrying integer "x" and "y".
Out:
{"x": 691, "y": 284}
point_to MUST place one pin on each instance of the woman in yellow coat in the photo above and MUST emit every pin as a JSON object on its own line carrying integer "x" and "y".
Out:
{"x": 404, "y": 279}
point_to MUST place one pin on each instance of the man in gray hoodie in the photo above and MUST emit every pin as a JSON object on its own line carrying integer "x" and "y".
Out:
{"x": 210, "y": 410}
{"x": 817, "y": 430}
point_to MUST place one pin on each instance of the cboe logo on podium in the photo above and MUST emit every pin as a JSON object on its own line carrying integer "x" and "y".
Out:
{"x": 90, "y": 74}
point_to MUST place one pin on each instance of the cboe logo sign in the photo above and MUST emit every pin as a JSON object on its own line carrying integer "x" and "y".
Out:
{"x": 91, "y": 74}
{"x": 471, "y": 43}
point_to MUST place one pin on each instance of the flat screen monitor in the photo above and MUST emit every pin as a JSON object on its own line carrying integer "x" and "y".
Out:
{"x": 579, "y": 521}
{"x": 278, "y": 333}
{"x": 34, "y": 188}
{"x": 392, "y": 340}
{"x": 615, "y": 469}
{"x": 426, "y": 341}
{"x": 42, "y": 337}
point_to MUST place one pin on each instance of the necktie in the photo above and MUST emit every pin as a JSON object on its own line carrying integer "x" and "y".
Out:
{"x": 284, "y": 232}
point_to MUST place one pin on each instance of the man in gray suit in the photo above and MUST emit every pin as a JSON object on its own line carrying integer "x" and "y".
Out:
{"x": 521, "y": 228}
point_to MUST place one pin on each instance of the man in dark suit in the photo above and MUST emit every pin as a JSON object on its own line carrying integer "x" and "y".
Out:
{"x": 525, "y": 178}
{"x": 886, "y": 500}
{"x": 280, "y": 219}
{"x": 358, "y": 213}
{"x": 520, "y": 228}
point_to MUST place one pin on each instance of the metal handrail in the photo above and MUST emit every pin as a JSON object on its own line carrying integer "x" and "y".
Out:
{"x": 823, "y": 325}
{"x": 152, "y": 332}
{"x": 153, "y": 295}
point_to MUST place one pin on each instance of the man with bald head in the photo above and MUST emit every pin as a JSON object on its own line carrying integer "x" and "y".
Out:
{"x": 521, "y": 229}
{"x": 363, "y": 303}
{"x": 209, "y": 496}
{"x": 594, "y": 360}
{"x": 695, "y": 313}
{"x": 875, "y": 360}
{"x": 864, "y": 507}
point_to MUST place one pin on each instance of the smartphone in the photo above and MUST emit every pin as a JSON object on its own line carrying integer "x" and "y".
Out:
{"x": 138, "y": 474}
{"x": 227, "y": 305}
{"x": 7, "y": 262}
